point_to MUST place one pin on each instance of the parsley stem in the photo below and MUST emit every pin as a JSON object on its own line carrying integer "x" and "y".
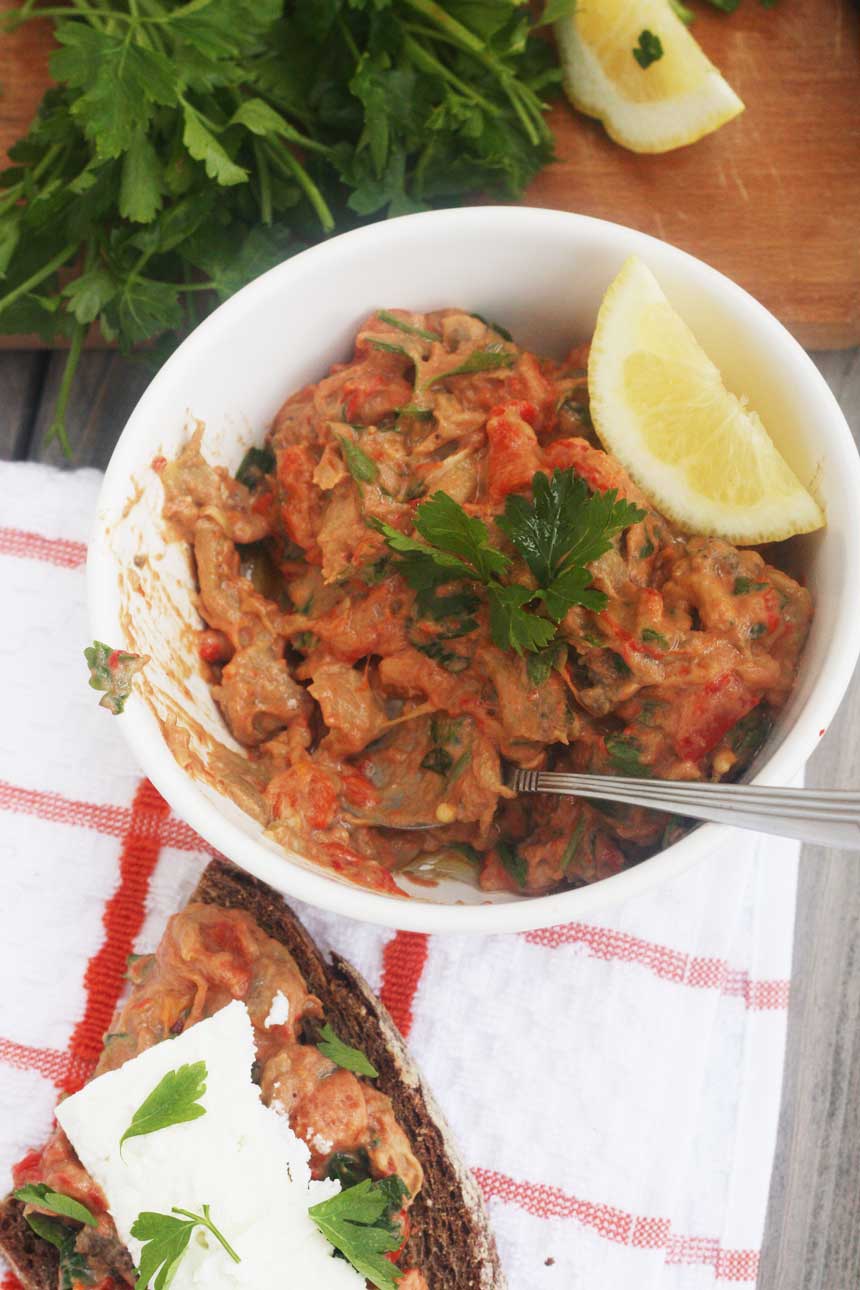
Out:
{"x": 265, "y": 182}
{"x": 50, "y": 156}
{"x": 57, "y": 428}
{"x": 73, "y": 11}
{"x": 526, "y": 105}
{"x": 457, "y": 32}
{"x": 188, "y": 286}
{"x": 347, "y": 39}
{"x": 296, "y": 136}
{"x": 39, "y": 276}
{"x": 520, "y": 109}
{"x": 288, "y": 165}
{"x": 429, "y": 63}
{"x": 207, "y": 1222}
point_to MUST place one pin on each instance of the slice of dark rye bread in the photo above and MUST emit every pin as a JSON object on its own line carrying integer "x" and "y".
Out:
{"x": 450, "y": 1239}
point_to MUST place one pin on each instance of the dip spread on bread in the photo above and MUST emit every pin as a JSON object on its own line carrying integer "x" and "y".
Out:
{"x": 223, "y": 1148}
{"x": 430, "y": 569}
{"x": 281, "y": 1099}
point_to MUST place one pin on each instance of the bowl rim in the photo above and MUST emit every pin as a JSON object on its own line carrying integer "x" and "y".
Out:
{"x": 187, "y": 797}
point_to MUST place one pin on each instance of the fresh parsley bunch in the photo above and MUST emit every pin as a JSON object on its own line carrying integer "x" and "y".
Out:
{"x": 187, "y": 147}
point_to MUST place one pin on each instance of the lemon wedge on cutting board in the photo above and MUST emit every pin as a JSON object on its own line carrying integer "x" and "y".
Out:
{"x": 697, "y": 451}
{"x": 675, "y": 100}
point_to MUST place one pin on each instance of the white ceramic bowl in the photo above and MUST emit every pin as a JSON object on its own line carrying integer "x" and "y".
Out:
{"x": 542, "y": 274}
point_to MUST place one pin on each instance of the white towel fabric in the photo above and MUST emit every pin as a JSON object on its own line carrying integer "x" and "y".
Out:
{"x": 615, "y": 1083}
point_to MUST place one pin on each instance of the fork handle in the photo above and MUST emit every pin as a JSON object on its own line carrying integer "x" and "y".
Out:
{"x": 789, "y": 822}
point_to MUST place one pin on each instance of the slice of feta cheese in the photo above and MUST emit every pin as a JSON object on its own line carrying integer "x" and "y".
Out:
{"x": 240, "y": 1159}
{"x": 279, "y": 1013}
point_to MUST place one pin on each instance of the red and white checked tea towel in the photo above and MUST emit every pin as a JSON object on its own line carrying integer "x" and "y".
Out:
{"x": 614, "y": 1084}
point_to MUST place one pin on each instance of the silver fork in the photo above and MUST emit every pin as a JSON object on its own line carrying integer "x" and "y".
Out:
{"x": 828, "y": 818}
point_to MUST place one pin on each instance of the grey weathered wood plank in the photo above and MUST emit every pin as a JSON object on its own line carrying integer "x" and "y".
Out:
{"x": 20, "y": 381}
{"x": 106, "y": 388}
{"x": 812, "y": 1234}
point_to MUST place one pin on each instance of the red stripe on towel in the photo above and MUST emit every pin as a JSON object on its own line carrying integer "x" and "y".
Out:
{"x": 667, "y": 963}
{"x": 403, "y": 961}
{"x": 618, "y": 1225}
{"x": 122, "y": 919}
{"x": 33, "y": 546}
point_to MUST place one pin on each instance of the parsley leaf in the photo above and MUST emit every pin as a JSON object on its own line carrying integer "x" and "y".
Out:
{"x": 447, "y": 658}
{"x": 351, "y": 1059}
{"x": 650, "y": 634}
{"x": 512, "y": 626}
{"x": 649, "y": 49}
{"x": 445, "y": 524}
{"x": 540, "y": 666}
{"x": 174, "y": 1100}
{"x": 563, "y": 522}
{"x": 203, "y": 146}
{"x": 73, "y": 1267}
{"x": 122, "y": 82}
{"x": 362, "y": 468}
{"x": 513, "y": 863}
{"x": 750, "y": 733}
{"x": 349, "y": 1168}
{"x": 488, "y": 322}
{"x": 358, "y": 1223}
{"x": 378, "y": 343}
{"x": 141, "y": 186}
{"x": 424, "y": 567}
{"x": 112, "y": 671}
{"x": 625, "y": 753}
{"x": 480, "y": 360}
{"x": 439, "y": 760}
{"x": 165, "y": 1240}
{"x": 560, "y": 530}
{"x": 393, "y": 321}
{"x": 743, "y": 586}
{"x": 42, "y": 1195}
{"x": 256, "y": 463}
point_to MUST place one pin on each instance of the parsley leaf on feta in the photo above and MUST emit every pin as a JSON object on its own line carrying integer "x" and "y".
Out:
{"x": 165, "y": 1240}
{"x": 174, "y": 1100}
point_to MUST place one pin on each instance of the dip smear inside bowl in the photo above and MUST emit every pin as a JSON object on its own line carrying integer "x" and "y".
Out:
{"x": 334, "y": 719}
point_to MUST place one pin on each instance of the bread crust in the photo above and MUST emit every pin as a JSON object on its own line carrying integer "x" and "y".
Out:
{"x": 450, "y": 1238}
{"x": 35, "y": 1262}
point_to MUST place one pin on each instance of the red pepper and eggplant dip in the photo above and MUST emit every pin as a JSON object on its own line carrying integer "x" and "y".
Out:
{"x": 431, "y": 571}
{"x": 207, "y": 957}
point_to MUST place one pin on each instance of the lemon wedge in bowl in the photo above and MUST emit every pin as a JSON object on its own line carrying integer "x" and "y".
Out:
{"x": 696, "y": 450}
{"x": 664, "y": 95}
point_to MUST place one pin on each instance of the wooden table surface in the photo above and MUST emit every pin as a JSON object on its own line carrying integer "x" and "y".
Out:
{"x": 812, "y": 1240}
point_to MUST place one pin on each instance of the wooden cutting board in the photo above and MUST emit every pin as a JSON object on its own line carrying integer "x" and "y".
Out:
{"x": 772, "y": 199}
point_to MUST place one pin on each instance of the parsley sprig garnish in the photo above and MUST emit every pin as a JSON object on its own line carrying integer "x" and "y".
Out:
{"x": 174, "y": 1100}
{"x": 165, "y": 1240}
{"x": 558, "y": 532}
{"x": 360, "y": 1223}
{"x": 561, "y": 531}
